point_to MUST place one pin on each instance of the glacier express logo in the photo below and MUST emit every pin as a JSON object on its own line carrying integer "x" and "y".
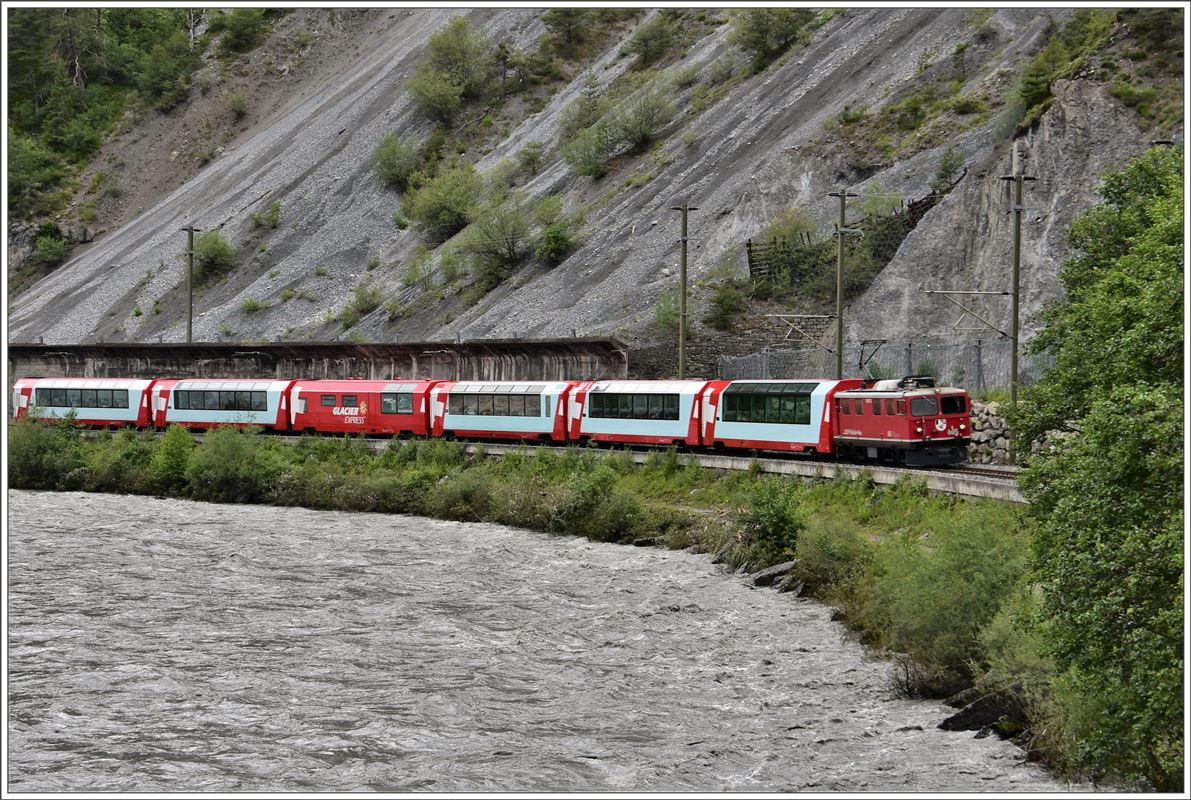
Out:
{"x": 350, "y": 411}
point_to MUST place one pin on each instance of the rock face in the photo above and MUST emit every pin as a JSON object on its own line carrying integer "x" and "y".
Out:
{"x": 741, "y": 161}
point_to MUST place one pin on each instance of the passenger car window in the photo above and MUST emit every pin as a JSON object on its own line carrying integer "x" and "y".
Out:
{"x": 326, "y": 399}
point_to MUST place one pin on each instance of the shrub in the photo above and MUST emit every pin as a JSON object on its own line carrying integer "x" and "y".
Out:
{"x": 531, "y": 157}
{"x": 270, "y": 219}
{"x": 641, "y": 120}
{"x": 213, "y": 254}
{"x": 373, "y": 263}
{"x": 288, "y": 294}
{"x": 242, "y": 29}
{"x": 237, "y": 103}
{"x": 395, "y": 161}
{"x": 766, "y": 33}
{"x": 444, "y": 204}
{"x": 727, "y": 301}
{"x": 587, "y": 152}
{"x": 584, "y": 111}
{"x": 950, "y": 163}
{"x": 233, "y": 466}
{"x": 42, "y": 454}
{"x": 653, "y": 39}
{"x": 555, "y": 243}
{"x": 463, "y": 55}
{"x": 50, "y": 251}
{"x": 251, "y": 305}
{"x": 121, "y": 463}
{"x": 771, "y": 522}
{"x": 439, "y": 97}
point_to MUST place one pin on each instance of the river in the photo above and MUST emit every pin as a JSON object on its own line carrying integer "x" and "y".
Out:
{"x": 162, "y": 645}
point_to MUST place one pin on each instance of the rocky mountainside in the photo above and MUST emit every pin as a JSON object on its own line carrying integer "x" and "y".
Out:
{"x": 769, "y": 141}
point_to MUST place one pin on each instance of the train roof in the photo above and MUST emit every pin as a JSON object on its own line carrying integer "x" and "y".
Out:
{"x": 234, "y": 384}
{"x": 86, "y": 383}
{"x": 648, "y": 387}
{"x": 505, "y": 387}
{"x": 363, "y": 385}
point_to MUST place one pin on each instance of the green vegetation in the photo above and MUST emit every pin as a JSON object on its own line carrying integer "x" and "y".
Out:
{"x": 366, "y": 299}
{"x": 1088, "y": 30}
{"x": 624, "y": 128}
{"x": 1108, "y": 505}
{"x": 531, "y": 157}
{"x": 445, "y": 203}
{"x": 288, "y": 294}
{"x": 460, "y": 65}
{"x": 396, "y": 160}
{"x": 766, "y": 33}
{"x": 50, "y": 249}
{"x": 556, "y": 243}
{"x": 237, "y": 103}
{"x": 654, "y": 38}
{"x": 270, "y": 219}
{"x": 242, "y": 30}
{"x": 251, "y": 305}
{"x": 213, "y": 255}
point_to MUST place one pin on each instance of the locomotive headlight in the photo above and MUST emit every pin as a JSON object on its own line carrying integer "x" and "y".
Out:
{"x": 963, "y": 427}
{"x": 918, "y": 429}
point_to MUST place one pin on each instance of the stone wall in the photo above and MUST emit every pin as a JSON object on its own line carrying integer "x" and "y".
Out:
{"x": 990, "y": 435}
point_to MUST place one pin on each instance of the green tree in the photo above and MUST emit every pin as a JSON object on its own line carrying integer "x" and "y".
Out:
{"x": 1108, "y": 503}
{"x": 464, "y": 55}
{"x": 653, "y": 39}
{"x": 950, "y": 163}
{"x": 213, "y": 254}
{"x": 566, "y": 26}
{"x": 766, "y": 33}
{"x": 436, "y": 93}
{"x": 395, "y": 160}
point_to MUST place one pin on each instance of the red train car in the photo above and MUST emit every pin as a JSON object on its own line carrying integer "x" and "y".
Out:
{"x": 382, "y": 408}
{"x": 782, "y": 415}
{"x": 910, "y": 421}
{"x": 114, "y": 402}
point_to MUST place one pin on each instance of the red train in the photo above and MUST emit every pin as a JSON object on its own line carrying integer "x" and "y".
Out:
{"x": 910, "y": 421}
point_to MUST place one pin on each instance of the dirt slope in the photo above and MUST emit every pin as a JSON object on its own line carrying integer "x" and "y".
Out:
{"x": 740, "y": 161}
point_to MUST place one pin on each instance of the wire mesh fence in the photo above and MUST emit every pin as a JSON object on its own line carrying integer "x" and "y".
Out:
{"x": 977, "y": 365}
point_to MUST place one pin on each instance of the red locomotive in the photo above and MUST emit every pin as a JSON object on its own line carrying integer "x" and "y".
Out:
{"x": 910, "y": 421}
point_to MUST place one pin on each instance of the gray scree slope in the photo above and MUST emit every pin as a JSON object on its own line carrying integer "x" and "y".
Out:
{"x": 752, "y": 156}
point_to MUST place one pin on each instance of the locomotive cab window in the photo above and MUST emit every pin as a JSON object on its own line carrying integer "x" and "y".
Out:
{"x": 923, "y": 407}
{"x": 953, "y": 404}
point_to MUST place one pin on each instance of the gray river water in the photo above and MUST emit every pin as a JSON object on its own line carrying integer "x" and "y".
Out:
{"x": 160, "y": 645}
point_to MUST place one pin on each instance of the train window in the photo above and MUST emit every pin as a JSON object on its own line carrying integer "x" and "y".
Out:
{"x": 489, "y": 388}
{"x": 351, "y": 400}
{"x": 625, "y": 404}
{"x": 517, "y": 405}
{"x": 72, "y": 398}
{"x": 655, "y": 406}
{"x": 670, "y": 406}
{"x": 485, "y": 405}
{"x": 471, "y": 404}
{"x": 405, "y": 403}
{"x": 729, "y": 408}
{"x": 87, "y": 398}
{"x": 773, "y": 409}
{"x": 103, "y": 398}
{"x": 181, "y": 398}
{"x": 789, "y": 409}
{"x": 504, "y": 388}
{"x": 533, "y": 405}
{"x": 260, "y": 401}
{"x": 640, "y": 406}
{"x": 227, "y": 401}
{"x": 923, "y": 407}
{"x": 243, "y": 401}
{"x": 326, "y": 399}
{"x": 845, "y": 406}
{"x": 877, "y": 406}
{"x": 858, "y": 406}
{"x": 953, "y": 404}
{"x": 211, "y": 401}
{"x": 500, "y": 405}
{"x": 595, "y": 406}
{"x": 889, "y": 406}
{"x": 388, "y": 404}
{"x": 901, "y": 408}
{"x": 454, "y": 404}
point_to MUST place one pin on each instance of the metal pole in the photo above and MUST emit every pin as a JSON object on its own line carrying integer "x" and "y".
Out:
{"x": 1015, "y": 291}
{"x": 684, "y": 208}
{"x": 843, "y": 196}
{"x": 190, "y": 229}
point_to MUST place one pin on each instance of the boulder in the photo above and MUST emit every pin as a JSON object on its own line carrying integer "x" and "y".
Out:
{"x": 989, "y": 709}
{"x": 768, "y": 575}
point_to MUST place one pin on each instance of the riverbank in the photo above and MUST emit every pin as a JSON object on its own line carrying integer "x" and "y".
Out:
{"x": 931, "y": 582}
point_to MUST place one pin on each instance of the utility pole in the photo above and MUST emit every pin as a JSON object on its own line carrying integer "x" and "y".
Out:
{"x": 843, "y": 196}
{"x": 190, "y": 229}
{"x": 1015, "y": 290}
{"x": 684, "y": 208}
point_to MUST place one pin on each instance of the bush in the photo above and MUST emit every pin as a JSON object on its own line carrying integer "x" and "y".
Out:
{"x": 587, "y": 152}
{"x": 233, "y": 466}
{"x": 584, "y": 111}
{"x": 213, "y": 255}
{"x": 242, "y": 29}
{"x": 270, "y": 219}
{"x": 531, "y": 157}
{"x": 463, "y": 56}
{"x": 771, "y": 522}
{"x": 766, "y": 33}
{"x": 50, "y": 251}
{"x": 237, "y": 103}
{"x": 436, "y": 94}
{"x": 395, "y": 161}
{"x": 727, "y": 301}
{"x": 496, "y": 241}
{"x": 42, "y": 454}
{"x": 444, "y": 204}
{"x": 251, "y": 305}
{"x": 642, "y": 118}
{"x": 555, "y": 243}
{"x": 653, "y": 39}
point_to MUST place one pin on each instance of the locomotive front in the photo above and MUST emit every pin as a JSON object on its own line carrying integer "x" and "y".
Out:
{"x": 910, "y": 422}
